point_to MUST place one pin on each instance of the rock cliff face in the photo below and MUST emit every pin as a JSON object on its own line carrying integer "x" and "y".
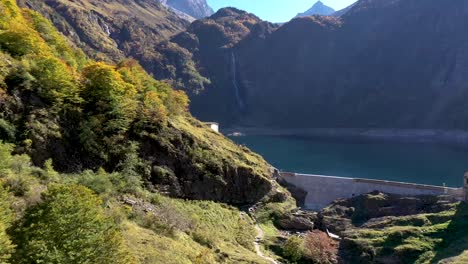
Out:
{"x": 194, "y": 8}
{"x": 190, "y": 161}
{"x": 382, "y": 64}
{"x": 214, "y": 41}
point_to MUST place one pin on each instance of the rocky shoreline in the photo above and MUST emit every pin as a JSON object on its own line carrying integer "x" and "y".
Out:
{"x": 451, "y": 137}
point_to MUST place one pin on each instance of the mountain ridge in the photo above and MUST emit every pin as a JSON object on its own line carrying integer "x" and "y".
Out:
{"x": 137, "y": 29}
{"x": 376, "y": 80}
{"x": 318, "y": 8}
{"x": 100, "y": 146}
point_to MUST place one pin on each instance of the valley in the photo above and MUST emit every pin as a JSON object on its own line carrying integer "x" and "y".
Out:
{"x": 107, "y": 156}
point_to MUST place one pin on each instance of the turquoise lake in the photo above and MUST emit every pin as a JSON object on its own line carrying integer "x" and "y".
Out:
{"x": 417, "y": 163}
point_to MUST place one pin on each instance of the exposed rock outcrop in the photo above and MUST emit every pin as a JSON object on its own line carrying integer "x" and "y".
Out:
{"x": 194, "y": 8}
{"x": 366, "y": 210}
{"x": 295, "y": 223}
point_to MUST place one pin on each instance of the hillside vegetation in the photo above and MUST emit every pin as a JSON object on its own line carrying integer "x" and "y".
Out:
{"x": 383, "y": 228}
{"x": 101, "y": 163}
{"x": 57, "y": 104}
{"x": 373, "y": 62}
{"x": 120, "y": 221}
{"x": 91, "y": 154}
{"x": 117, "y": 29}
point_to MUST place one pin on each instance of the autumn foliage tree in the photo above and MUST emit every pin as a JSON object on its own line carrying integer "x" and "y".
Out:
{"x": 320, "y": 248}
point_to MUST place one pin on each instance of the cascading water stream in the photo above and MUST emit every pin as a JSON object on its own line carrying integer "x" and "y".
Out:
{"x": 239, "y": 101}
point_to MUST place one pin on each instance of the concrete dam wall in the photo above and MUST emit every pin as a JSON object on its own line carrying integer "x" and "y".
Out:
{"x": 322, "y": 190}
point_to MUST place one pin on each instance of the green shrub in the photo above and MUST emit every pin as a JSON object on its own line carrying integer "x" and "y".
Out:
{"x": 18, "y": 184}
{"x": 69, "y": 227}
{"x": 202, "y": 239}
{"x": 153, "y": 222}
{"x": 100, "y": 182}
{"x": 7, "y": 130}
{"x": 6, "y": 217}
{"x": 5, "y": 157}
{"x": 18, "y": 42}
{"x": 293, "y": 248}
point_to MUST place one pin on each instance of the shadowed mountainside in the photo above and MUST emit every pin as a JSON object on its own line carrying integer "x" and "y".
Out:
{"x": 383, "y": 64}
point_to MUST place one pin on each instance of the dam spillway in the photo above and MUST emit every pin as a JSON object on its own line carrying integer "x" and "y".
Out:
{"x": 323, "y": 190}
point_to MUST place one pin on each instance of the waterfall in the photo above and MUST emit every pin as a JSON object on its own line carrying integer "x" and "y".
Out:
{"x": 106, "y": 28}
{"x": 239, "y": 101}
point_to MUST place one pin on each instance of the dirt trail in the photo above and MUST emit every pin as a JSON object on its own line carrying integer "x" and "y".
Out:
{"x": 258, "y": 239}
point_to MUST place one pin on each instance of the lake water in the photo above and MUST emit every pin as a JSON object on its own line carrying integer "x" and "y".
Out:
{"x": 418, "y": 163}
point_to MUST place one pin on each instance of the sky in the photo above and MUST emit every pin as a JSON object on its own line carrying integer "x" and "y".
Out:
{"x": 276, "y": 10}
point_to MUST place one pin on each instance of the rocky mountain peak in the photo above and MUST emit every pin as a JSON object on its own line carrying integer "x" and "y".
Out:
{"x": 318, "y": 8}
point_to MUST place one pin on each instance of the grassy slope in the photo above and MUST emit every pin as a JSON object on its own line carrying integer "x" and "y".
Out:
{"x": 216, "y": 233}
{"x": 420, "y": 238}
{"x": 223, "y": 237}
{"x": 179, "y": 231}
{"x": 224, "y": 147}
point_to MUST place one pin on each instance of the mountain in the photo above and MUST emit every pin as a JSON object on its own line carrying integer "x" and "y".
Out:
{"x": 113, "y": 30}
{"x": 318, "y": 8}
{"x": 108, "y": 150}
{"x": 212, "y": 41}
{"x": 84, "y": 114}
{"x": 194, "y": 8}
{"x": 382, "y": 65}
{"x": 344, "y": 10}
{"x": 378, "y": 75}
{"x": 104, "y": 148}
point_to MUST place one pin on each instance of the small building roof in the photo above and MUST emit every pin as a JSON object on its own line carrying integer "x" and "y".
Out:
{"x": 211, "y": 123}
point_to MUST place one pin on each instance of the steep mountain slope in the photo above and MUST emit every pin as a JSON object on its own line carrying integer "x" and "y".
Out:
{"x": 127, "y": 141}
{"x": 107, "y": 150}
{"x": 384, "y": 64}
{"x": 57, "y": 104}
{"x": 318, "y": 8}
{"x": 113, "y": 30}
{"x": 343, "y": 11}
{"x": 212, "y": 41}
{"x": 194, "y": 8}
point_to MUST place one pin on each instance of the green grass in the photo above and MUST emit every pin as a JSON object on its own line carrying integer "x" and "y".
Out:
{"x": 424, "y": 238}
{"x": 218, "y": 235}
{"x": 212, "y": 142}
{"x": 150, "y": 247}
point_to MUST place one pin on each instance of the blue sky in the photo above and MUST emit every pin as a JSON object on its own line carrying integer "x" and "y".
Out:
{"x": 276, "y": 10}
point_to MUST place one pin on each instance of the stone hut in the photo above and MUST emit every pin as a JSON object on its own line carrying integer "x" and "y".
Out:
{"x": 213, "y": 125}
